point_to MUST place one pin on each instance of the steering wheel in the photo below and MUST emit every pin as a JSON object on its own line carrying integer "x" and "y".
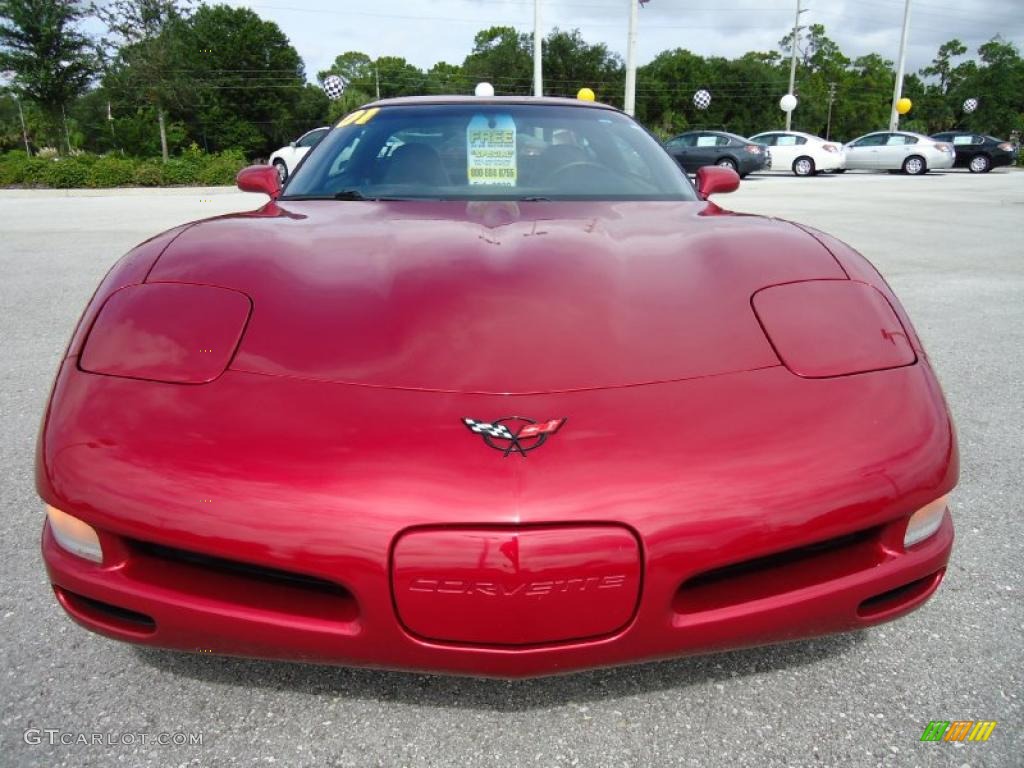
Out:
{"x": 577, "y": 166}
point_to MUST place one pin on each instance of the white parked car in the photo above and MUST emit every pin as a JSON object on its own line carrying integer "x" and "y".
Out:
{"x": 912, "y": 153}
{"x": 802, "y": 153}
{"x": 287, "y": 158}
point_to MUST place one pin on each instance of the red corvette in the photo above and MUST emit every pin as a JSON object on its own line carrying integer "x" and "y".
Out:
{"x": 491, "y": 389}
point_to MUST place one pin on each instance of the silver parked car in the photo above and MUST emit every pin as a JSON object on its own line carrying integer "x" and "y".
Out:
{"x": 912, "y": 153}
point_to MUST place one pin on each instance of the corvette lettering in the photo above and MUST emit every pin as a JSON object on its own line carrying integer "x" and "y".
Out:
{"x": 514, "y": 434}
{"x": 518, "y": 589}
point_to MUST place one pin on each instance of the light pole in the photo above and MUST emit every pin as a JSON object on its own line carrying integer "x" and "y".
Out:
{"x": 897, "y": 91}
{"x": 792, "y": 62}
{"x": 629, "y": 102}
{"x": 538, "y": 64}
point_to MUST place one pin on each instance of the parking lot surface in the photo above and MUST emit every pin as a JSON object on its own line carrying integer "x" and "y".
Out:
{"x": 952, "y": 247}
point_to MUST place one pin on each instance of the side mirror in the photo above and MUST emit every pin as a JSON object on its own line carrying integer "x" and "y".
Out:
{"x": 713, "y": 179}
{"x": 291, "y": 144}
{"x": 259, "y": 178}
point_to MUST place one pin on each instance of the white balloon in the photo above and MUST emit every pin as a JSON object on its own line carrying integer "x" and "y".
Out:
{"x": 970, "y": 104}
{"x": 702, "y": 99}
{"x": 484, "y": 89}
{"x": 787, "y": 103}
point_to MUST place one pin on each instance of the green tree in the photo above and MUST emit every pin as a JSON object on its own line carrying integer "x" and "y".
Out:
{"x": 12, "y": 112}
{"x": 998, "y": 85}
{"x": 665, "y": 88}
{"x": 399, "y": 78}
{"x": 150, "y": 64}
{"x": 250, "y": 82}
{"x": 864, "y": 98}
{"x": 52, "y": 60}
{"x": 503, "y": 57}
{"x": 571, "y": 63}
{"x": 821, "y": 81}
{"x": 934, "y": 106}
{"x": 445, "y": 78}
{"x": 942, "y": 66}
{"x": 358, "y": 71}
{"x": 995, "y": 78}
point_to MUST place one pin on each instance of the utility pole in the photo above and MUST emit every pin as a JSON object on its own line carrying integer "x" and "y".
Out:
{"x": 792, "y": 62}
{"x": 538, "y": 64}
{"x": 897, "y": 91}
{"x": 376, "y": 79}
{"x": 831, "y": 101}
{"x": 629, "y": 103}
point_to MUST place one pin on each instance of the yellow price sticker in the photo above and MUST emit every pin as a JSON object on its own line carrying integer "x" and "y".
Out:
{"x": 359, "y": 117}
{"x": 351, "y": 117}
{"x": 367, "y": 116}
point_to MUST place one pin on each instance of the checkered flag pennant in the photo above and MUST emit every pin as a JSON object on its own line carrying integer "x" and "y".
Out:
{"x": 484, "y": 428}
{"x": 334, "y": 86}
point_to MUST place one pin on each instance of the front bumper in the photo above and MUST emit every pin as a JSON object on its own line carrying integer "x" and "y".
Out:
{"x": 192, "y": 608}
{"x": 274, "y": 536}
{"x": 1001, "y": 159}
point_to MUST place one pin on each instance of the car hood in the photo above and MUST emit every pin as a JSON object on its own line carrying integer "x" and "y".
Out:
{"x": 497, "y": 297}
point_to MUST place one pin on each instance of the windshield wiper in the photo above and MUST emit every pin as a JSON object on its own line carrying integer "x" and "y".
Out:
{"x": 351, "y": 194}
{"x": 533, "y": 199}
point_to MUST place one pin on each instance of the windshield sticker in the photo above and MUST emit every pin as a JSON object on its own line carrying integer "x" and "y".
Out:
{"x": 367, "y": 116}
{"x": 351, "y": 117}
{"x": 491, "y": 150}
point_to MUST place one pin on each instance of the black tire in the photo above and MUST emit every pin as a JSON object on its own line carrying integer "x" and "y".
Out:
{"x": 980, "y": 164}
{"x": 838, "y": 170}
{"x": 727, "y": 162}
{"x": 804, "y": 166}
{"x": 915, "y": 165}
{"x": 282, "y": 170}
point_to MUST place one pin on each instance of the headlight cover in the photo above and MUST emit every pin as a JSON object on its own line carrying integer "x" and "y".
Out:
{"x": 74, "y": 535}
{"x": 171, "y": 332}
{"x": 825, "y": 328}
{"x": 925, "y": 522}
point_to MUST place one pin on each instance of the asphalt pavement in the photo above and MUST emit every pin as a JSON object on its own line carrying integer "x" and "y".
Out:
{"x": 952, "y": 247}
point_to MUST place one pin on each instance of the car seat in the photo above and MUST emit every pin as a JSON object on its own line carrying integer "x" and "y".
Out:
{"x": 418, "y": 164}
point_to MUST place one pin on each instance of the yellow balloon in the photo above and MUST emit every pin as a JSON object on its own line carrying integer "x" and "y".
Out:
{"x": 585, "y": 94}
{"x": 903, "y": 105}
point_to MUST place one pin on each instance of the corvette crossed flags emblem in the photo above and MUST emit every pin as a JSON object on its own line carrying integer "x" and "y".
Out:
{"x": 527, "y": 436}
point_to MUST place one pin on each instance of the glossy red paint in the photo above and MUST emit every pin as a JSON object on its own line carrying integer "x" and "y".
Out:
{"x": 429, "y": 296}
{"x": 337, "y": 430}
{"x": 714, "y": 179}
{"x": 259, "y": 178}
{"x": 823, "y": 328}
{"x": 171, "y": 332}
{"x": 521, "y": 585}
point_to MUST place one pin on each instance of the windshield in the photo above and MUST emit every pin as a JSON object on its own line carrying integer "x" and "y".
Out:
{"x": 489, "y": 152}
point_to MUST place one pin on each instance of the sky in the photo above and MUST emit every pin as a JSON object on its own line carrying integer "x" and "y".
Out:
{"x": 427, "y": 31}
